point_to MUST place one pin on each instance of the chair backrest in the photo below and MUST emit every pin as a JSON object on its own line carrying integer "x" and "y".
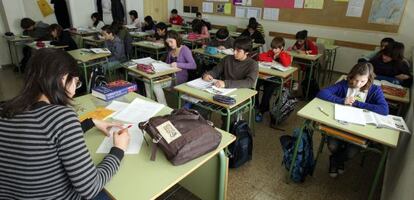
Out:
{"x": 325, "y": 41}
{"x": 231, "y": 28}
{"x": 321, "y": 50}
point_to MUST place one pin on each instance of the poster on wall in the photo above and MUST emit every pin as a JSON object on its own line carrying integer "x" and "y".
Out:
{"x": 220, "y": 8}
{"x": 271, "y": 14}
{"x": 313, "y": 4}
{"x": 240, "y": 12}
{"x": 45, "y": 8}
{"x": 242, "y": 2}
{"x": 386, "y": 12}
{"x": 355, "y": 8}
{"x": 279, "y": 3}
{"x": 208, "y": 7}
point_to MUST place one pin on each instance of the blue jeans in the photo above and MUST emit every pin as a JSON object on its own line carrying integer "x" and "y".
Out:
{"x": 102, "y": 196}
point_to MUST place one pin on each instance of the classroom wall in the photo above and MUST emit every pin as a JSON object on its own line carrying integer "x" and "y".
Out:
{"x": 33, "y": 11}
{"x": 137, "y": 5}
{"x": 346, "y": 57}
{"x": 5, "y": 56}
{"x": 80, "y": 12}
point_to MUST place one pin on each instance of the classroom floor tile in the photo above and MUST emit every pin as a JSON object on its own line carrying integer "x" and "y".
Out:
{"x": 264, "y": 177}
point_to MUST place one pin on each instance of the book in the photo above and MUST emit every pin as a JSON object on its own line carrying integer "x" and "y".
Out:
{"x": 100, "y": 50}
{"x": 98, "y": 113}
{"x": 113, "y": 90}
{"x": 359, "y": 116}
{"x": 274, "y": 65}
{"x": 208, "y": 86}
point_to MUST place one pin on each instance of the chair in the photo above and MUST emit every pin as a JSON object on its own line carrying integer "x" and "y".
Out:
{"x": 323, "y": 62}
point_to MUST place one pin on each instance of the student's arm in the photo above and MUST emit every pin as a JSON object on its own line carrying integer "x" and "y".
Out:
{"x": 313, "y": 49}
{"x": 333, "y": 93}
{"x": 180, "y": 20}
{"x": 248, "y": 81}
{"x": 258, "y": 38}
{"x": 377, "y": 103}
{"x": 217, "y": 71}
{"x": 404, "y": 69}
{"x": 87, "y": 124}
{"x": 285, "y": 59}
{"x": 84, "y": 177}
{"x": 189, "y": 60}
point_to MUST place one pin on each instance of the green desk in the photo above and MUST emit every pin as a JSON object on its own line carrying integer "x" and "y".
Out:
{"x": 149, "y": 47}
{"x": 177, "y": 29}
{"x": 33, "y": 46}
{"x": 140, "y": 178}
{"x": 138, "y": 36}
{"x": 88, "y": 59}
{"x": 13, "y": 42}
{"x": 82, "y": 32}
{"x": 152, "y": 79}
{"x": 279, "y": 78}
{"x": 310, "y": 61}
{"x": 194, "y": 42}
{"x": 92, "y": 42}
{"x": 244, "y": 99}
{"x": 386, "y": 137}
{"x": 200, "y": 53}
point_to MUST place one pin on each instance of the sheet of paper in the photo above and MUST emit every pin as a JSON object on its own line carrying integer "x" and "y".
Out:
{"x": 227, "y": 8}
{"x": 349, "y": 114}
{"x": 145, "y": 61}
{"x": 160, "y": 66}
{"x": 208, "y": 7}
{"x": 130, "y": 26}
{"x": 298, "y": 4}
{"x": 254, "y": 12}
{"x": 135, "y": 142}
{"x": 138, "y": 111}
{"x": 200, "y": 83}
{"x": 314, "y": 4}
{"x": 271, "y": 13}
{"x": 240, "y": 12}
{"x": 116, "y": 106}
{"x": 355, "y": 8}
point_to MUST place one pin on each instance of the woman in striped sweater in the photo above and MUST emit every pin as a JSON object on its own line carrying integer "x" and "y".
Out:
{"x": 42, "y": 149}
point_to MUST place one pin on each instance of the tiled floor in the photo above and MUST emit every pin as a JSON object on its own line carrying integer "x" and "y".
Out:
{"x": 263, "y": 178}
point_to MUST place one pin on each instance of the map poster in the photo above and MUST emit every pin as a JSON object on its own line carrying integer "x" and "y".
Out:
{"x": 386, "y": 12}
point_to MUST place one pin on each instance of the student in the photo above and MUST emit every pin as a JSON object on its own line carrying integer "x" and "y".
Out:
{"x": 222, "y": 40}
{"x": 199, "y": 16}
{"x": 114, "y": 44}
{"x": 46, "y": 150}
{"x": 97, "y": 21}
{"x": 359, "y": 91}
{"x": 389, "y": 64}
{"x": 133, "y": 15}
{"x": 303, "y": 45}
{"x": 61, "y": 37}
{"x": 37, "y": 30}
{"x": 122, "y": 32}
{"x": 238, "y": 71}
{"x": 260, "y": 28}
{"x": 252, "y": 32}
{"x": 176, "y": 19}
{"x": 149, "y": 24}
{"x": 161, "y": 32}
{"x": 384, "y": 43}
{"x": 200, "y": 27}
{"x": 276, "y": 53}
{"x": 179, "y": 56}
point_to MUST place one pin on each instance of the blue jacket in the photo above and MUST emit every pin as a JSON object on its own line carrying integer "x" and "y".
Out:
{"x": 374, "y": 102}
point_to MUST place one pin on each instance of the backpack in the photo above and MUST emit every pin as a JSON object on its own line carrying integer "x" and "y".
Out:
{"x": 241, "y": 149}
{"x": 97, "y": 77}
{"x": 305, "y": 162}
{"x": 287, "y": 107}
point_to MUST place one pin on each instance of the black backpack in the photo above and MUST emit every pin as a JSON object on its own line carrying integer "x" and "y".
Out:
{"x": 287, "y": 107}
{"x": 97, "y": 77}
{"x": 241, "y": 149}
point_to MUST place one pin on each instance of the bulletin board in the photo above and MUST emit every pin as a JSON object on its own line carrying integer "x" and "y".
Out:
{"x": 333, "y": 14}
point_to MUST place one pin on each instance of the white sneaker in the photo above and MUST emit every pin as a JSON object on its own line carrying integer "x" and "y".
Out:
{"x": 295, "y": 86}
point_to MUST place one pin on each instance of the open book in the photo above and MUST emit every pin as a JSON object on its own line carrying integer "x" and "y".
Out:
{"x": 362, "y": 117}
{"x": 158, "y": 66}
{"x": 274, "y": 65}
{"x": 209, "y": 86}
{"x": 100, "y": 50}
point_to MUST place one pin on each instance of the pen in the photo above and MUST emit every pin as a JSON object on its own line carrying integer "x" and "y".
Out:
{"x": 321, "y": 109}
{"x": 121, "y": 131}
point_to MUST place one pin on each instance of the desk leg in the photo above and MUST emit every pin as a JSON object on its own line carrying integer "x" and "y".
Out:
{"x": 179, "y": 100}
{"x": 380, "y": 168}
{"x": 152, "y": 89}
{"x": 228, "y": 118}
{"x": 332, "y": 65}
{"x": 223, "y": 175}
{"x": 295, "y": 151}
{"x": 309, "y": 79}
{"x": 85, "y": 75}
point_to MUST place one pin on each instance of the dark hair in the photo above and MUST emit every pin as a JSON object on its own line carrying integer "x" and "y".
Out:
{"x": 252, "y": 26}
{"x": 244, "y": 43}
{"x": 116, "y": 26}
{"x": 44, "y": 73}
{"x": 56, "y": 27}
{"x": 161, "y": 26}
{"x": 109, "y": 29}
{"x": 98, "y": 18}
{"x": 148, "y": 19}
{"x": 302, "y": 35}
{"x": 387, "y": 40}
{"x": 252, "y": 20}
{"x": 174, "y": 11}
{"x": 197, "y": 25}
{"x": 133, "y": 13}
{"x": 362, "y": 68}
{"x": 198, "y": 14}
{"x": 222, "y": 33}
{"x": 26, "y": 23}
{"x": 173, "y": 35}
{"x": 395, "y": 50}
{"x": 277, "y": 42}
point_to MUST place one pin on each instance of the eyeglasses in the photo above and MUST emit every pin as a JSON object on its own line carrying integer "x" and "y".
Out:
{"x": 78, "y": 84}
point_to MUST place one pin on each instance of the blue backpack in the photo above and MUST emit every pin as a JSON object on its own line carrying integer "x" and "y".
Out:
{"x": 305, "y": 162}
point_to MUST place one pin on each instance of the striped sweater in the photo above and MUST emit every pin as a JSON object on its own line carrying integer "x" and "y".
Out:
{"x": 43, "y": 156}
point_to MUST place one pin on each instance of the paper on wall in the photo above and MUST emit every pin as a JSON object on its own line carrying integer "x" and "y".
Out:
{"x": 298, "y": 4}
{"x": 355, "y": 8}
{"x": 271, "y": 13}
{"x": 254, "y": 12}
{"x": 208, "y": 7}
{"x": 240, "y": 12}
{"x": 314, "y": 4}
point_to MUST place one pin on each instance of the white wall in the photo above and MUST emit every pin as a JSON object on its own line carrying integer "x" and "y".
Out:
{"x": 5, "y": 55}
{"x": 80, "y": 12}
{"x": 137, "y": 5}
{"x": 33, "y": 11}
{"x": 346, "y": 57}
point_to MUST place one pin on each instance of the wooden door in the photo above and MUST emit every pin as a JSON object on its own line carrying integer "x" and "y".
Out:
{"x": 158, "y": 9}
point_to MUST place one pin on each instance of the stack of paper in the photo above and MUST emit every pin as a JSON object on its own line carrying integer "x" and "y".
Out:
{"x": 349, "y": 114}
{"x": 100, "y": 50}
{"x": 160, "y": 66}
{"x": 200, "y": 83}
{"x": 144, "y": 61}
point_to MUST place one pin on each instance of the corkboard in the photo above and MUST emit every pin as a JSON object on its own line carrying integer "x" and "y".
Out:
{"x": 333, "y": 14}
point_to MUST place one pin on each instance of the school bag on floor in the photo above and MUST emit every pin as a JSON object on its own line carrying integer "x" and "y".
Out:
{"x": 241, "y": 149}
{"x": 305, "y": 162}
{"x": 287, "y": 107}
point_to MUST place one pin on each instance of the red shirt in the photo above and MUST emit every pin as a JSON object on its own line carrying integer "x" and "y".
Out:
{"x": 284, "y": 57}
{"x": 310, "y": 46}
{"x": 177, "y": 20}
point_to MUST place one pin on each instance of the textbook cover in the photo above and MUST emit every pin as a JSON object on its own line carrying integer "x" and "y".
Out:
{"x": 113, "y": 90}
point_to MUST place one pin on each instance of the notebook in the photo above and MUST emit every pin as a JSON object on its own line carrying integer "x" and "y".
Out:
{"x": 209, "y": 86}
